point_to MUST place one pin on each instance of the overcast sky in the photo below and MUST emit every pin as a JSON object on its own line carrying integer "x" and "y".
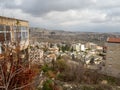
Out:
{"x": 70, "y": 15}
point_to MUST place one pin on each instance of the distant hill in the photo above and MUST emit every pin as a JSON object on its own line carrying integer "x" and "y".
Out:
{"x": 42, "y": 34}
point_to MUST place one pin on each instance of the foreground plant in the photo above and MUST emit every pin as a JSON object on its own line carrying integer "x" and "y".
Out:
{"x": 15, "y": 73}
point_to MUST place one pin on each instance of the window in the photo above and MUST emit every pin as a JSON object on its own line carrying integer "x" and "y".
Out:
{"x": 1, "y": 27}
{"x": 20, "y": 32}
{"x": 2, "y": 37}
{"x": 23, "y": 28}
{"x": 17, "y": 35}
{"x": 4, "y": 34}
{"x": 17, "y": 28}
{"x": 14, "y": 28}
{"x": 23, "y": 35}
{"x": 7, "y": 28}
{"x": 26, "y": 34}
{"x": 8, "y": 37}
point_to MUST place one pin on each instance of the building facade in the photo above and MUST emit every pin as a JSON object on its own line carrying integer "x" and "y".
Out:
{"x": 13, "y": 30}
{"x": 113, "y": 57}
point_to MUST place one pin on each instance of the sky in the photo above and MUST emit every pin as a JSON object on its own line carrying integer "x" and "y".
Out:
{"x": 69, "y": 15}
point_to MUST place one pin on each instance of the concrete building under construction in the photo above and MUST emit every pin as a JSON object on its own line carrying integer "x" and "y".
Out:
{"x": 13, "y": 30}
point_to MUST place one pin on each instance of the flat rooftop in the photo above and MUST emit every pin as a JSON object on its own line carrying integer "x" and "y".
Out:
{"x": 13, "y": 18}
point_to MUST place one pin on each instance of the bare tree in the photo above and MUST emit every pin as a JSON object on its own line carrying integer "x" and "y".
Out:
{"x": 15, "y": 74}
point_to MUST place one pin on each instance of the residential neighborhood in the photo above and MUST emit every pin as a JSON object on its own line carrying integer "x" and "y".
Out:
{"x": 60, "y": 45}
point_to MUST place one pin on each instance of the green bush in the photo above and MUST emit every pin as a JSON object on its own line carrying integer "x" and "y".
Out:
{"x": 111, "y": 80}
{"x": 45, "y": 68}
{"x": 87, "y": 88}
{"x": 103, "y": 87}
{"x": 47, "y": 85}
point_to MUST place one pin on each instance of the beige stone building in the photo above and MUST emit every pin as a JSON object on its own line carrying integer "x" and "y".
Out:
{"x": 13, "y": 30}
{"x": 112, "y": 66}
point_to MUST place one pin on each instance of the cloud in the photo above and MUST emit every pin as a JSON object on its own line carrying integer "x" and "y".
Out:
{"x": 40, "y": 7}
{"x": 66, "y": 14}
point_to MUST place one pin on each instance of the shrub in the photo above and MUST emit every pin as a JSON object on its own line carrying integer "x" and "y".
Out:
{"x": 61, "y": 65}
{"x": 47, "y": 85}
{"x": 103, "y": 87}
{"x": 45, "y": 68}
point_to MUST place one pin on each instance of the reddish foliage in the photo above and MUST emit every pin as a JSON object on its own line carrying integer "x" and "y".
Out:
{"x": 23, "y": 76}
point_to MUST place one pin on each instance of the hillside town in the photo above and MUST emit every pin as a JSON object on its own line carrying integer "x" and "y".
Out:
{"x": 36, "y": 62}
{"x": 91, "y": 56}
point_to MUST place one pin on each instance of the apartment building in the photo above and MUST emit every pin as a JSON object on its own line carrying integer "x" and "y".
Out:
{"x": 14, "y": 30}
{"x": 113, "y": 57}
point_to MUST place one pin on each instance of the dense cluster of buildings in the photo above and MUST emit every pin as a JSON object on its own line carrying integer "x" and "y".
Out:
{"x": 105, "y": 58}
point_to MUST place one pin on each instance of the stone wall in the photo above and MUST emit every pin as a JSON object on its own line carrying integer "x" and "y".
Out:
{"x": 113, "y": 59}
